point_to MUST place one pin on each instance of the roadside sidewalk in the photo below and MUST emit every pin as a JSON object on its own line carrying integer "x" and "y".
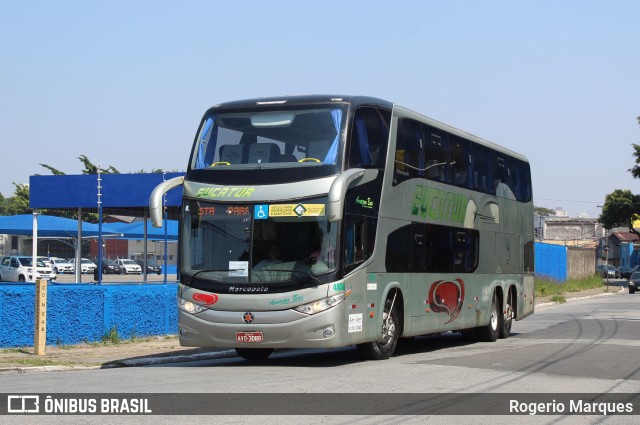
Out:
{"x": 159, "y": 350}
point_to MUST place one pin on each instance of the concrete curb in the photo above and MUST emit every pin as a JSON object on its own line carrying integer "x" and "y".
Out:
{"x": 143, "y": 361}
{"x": 149, "y": 361}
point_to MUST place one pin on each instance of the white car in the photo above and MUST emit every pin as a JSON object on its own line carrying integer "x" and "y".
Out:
{"x": 18, "y": 269}
{"x": 86, "y": 265}
{"x": 128, "y": 267}
{"x": 60, "y": 265}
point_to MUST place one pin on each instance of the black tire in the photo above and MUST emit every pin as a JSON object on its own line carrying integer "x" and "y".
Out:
{"x": 632, "y": 290}
{"x": 507, "y": 317}
{"x": 254, "y": 354}
{"x": 123, "y": 271}
{"x": 491, "y": 331}
{"x": 390, "y": 333}
{"x": 21, "y": 278}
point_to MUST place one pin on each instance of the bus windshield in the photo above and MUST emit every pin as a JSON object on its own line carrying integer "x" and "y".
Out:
{"x": 302, "y": 137}
{"x": 265, "y": 243}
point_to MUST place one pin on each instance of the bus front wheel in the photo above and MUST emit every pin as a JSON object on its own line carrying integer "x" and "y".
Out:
{"x": 383, "y": 348}
{"x": 254, "y": 354}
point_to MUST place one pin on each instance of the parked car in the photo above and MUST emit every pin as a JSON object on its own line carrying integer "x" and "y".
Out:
{"x": 151, "y": 267}
{"x": 86, "y": 265}
{"x": 634, "y": 281}
{"x": 608, "y": 271}
{"x": 19, "y": 269}
{"x": 60, "y": 265}
{"x": 110, "y": 267}
{"x": 625, "y": 272}
{"x": 128, "y": 266}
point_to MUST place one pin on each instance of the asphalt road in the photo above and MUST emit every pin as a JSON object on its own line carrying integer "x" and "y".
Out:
{"x": 588, "y": 346}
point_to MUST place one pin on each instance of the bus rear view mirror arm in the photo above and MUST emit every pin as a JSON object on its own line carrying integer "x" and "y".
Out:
{"x": 339, "y": 190}
{"x": 155, "y": 200}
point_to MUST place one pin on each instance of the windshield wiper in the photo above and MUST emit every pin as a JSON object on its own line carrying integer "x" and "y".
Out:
{"x": 193, "y": 276}
{"x": 307, "y": 274}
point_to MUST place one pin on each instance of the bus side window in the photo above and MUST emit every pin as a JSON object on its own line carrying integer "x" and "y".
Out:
{"x": 355, "y": 242}
{"x": 409, "y": 157}
{"x": 436, "y": 154}
{"x": 369, "y": 138}
{"x": 460, "y": 162}
{"x": 482, "y": 179}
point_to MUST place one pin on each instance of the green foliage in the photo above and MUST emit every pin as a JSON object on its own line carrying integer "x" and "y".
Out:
{"x": 546, "y": 287}
{"x": 559, "y": 299}
{"x": 3, "y": 205}
{"x": 621, "y": 208}
{"x": 635, "y": 170}
{"x": 111, "y": 336}
{"x": 543, "y": 212}
{"x": 19, "y": 202}
{"x": 54, "y": 171}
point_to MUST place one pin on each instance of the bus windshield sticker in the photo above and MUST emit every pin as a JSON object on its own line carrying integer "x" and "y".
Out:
{"x": 297, "y": 210}
{"x": 261, "y": 212}
{"x": 239, "y": 268}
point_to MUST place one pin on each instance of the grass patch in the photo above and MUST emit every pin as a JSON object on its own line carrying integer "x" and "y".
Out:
{"x": 14, "y": 350}
{"x": 559, "y": 299}
{"x": 549, "y": 287}
{"x": 111, "y": 336}
{"x": 40, "y": 362}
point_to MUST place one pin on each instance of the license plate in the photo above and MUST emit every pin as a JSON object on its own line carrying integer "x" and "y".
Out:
{"x": 249, "y": 337}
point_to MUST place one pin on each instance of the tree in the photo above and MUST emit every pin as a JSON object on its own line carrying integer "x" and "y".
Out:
{"x": 19, "y": 202}
{"x": 3, "y": 205}
{"x": 621, "y": 208}
{"x": 635, "y": 171}
{"x": 90, "y": 168}
{"x": 543, "y": 212}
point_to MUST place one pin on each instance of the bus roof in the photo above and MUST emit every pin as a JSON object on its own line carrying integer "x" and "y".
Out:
{"x": 299, "y": 100}
{"x": 269, "y": 103}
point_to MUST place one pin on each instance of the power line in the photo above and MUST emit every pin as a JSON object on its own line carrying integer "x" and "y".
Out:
{"x": 568, "y": 200}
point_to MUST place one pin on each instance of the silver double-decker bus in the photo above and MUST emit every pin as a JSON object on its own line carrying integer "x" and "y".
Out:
{"x": 331, "y": 221}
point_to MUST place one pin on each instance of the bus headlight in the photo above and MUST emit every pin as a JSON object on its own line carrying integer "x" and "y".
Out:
{"x": 320, "y": 305}
{"x": 189, "y": 306}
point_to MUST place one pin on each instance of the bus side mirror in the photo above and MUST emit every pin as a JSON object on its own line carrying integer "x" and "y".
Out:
{"x": 338, "y": 191}
{"x": 155, "y": 200}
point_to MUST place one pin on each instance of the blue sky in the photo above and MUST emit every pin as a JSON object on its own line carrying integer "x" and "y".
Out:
{"x": 126, "y": 83}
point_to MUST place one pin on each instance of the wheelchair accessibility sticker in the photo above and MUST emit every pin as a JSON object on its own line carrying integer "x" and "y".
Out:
{"x": 261, "y": 212}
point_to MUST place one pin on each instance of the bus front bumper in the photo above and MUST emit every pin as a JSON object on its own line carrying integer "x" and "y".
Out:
{"x": 274, "y": 329}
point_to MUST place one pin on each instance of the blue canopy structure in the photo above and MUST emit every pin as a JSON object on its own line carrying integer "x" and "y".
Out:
{"x": 50, "y": 226}
{"x": 80, "y": 191}
{"x": 135, "y": 230}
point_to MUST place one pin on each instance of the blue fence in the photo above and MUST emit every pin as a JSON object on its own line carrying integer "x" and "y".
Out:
{"x": 85, "y": 313}
{"x": 551, "y": 261}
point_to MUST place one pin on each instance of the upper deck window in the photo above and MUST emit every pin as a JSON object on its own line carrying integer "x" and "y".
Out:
{"x": 273, "y": 139}
{"x": 369, "y": 138}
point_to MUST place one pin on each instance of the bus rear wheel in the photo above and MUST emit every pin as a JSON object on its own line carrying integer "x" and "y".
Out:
{"x": 507, "y": 318}
{"x": 383, "y": 348}
{"x": 254, "y": 354}
{"x": 491, "y": 331}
